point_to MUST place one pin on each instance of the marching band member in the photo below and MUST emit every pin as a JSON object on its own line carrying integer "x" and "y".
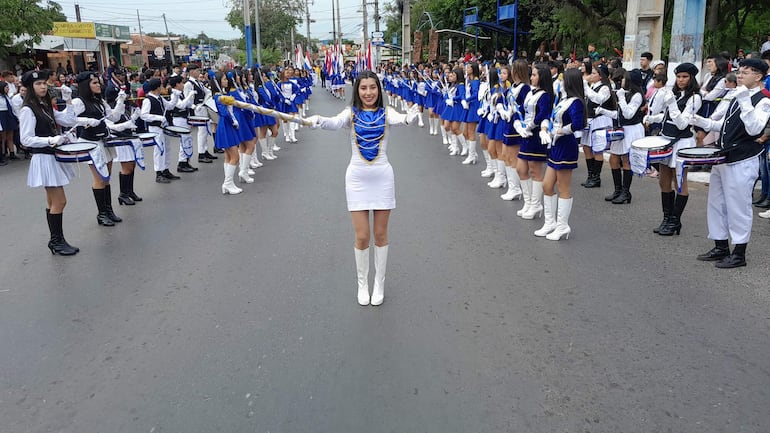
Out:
{"x": 91, "y": 112}
{"x": 201, "y": 94}
{"x": 227, "y": 139}
{"x": 470, "y": 103}
{"x": 630, "y": 112}
{"x": 123, "y": 154}
{"x": 179, "y": 115}
{"x": 247, "y": 136}
{"x": 680, "y": 105}
{"x": 731, "y": 184}
{"x": 257, "y": 120}
{"x": 533, "y": 152}
{"x": 154, "y": 114}
{"x": 274, "y": 95}
{"x": 369, "y": 177}
{"x": 712, "y": 91}
{"x": 511, "y": 140}
{"x": 568, "y": 118}
{"x": 421, "y": 94}
{"x": 598, "y": 91}
{"x": 455, "y": 114}
{"x": 495, "y": 125}
{"x": 268, "y": 122}
{"x": 40, "y": 134}
{"x": 289, "y": 91}
{"x": 481, "y": 128}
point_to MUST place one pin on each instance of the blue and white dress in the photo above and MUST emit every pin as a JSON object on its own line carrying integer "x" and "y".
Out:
{"x": 569, "y": 116}
{"x": 369, "y": 180}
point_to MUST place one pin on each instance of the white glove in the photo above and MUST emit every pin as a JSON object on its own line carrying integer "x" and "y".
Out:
{"x": 600, "y": 110}
{"x": 740, "y": 92}
{"x": 621, "y": 93}
{"x": 287, "y": 101}
{"x": 235, "y": 124}
{"x": 176, "y": 92}
{"x": 449, "y": 102}
{"x": 668, "y": 98}
{"x": 90, "y": 123}
{"x": 122, "y": 95}
{"x": 412, "y": 113}
{"x": 66, "y": 93}
{"x": 499, "y": 107}
{"x": 519, "y": 127}
{"x": 491, "y": 116}
{"x": 545, "y": 137}
{"x": 127, "y": 125}
{"x": 480, "y": 111}
{"x": 315, "y": 121}
{"x": 646, "y": 119}
{"x": 464, "y": 103}
{"x": 505, "y": 114}
{"x": 57, "y": 140}
{"x": 135, "y": 115}
{"x": 699, "y": 121}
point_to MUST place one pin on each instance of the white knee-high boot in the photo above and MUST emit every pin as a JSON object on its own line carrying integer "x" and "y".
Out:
{"x": 271, "y": 144}
{"x": 285, "y": 129}
{"x": 514, "y": 184}
{"x": 536, "y": 204}
{"x": 454, "y": 148}
{"x": 420, "y": 122}
{"x": 254, "y": 160}
{"x": 243, "y": 173}
{"x": 500, "y": 179}
{"x": 228, "y": 187}
{"x": 562, "y": 220}
{"x": 362, "y": 272}
{"x": 380, "y": 265}
{"x": 549, "y": 212}
{"x": 489, "y": 170}
{"x": 444, "y": 138}
{"x": 265, "y": 152}
{"x": 463, "y": 144}
{"x": 526, "y": 193}
{"x": 472, "y": 155}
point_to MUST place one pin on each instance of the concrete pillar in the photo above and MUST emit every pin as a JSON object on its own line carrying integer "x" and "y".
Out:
{"x": 644, "y": 31}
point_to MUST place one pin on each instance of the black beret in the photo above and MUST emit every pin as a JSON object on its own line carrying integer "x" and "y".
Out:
{"x": 85, "y": 76}
{"x": 759, "y": 65}
{"x": 173, "y": 81}
{"x": 30, "y": 77}
{"x": 153, "y": 84}
{"x": 688, "y": 68}
{"x": 604, "y": 71}
{"x": 636, "y": 77}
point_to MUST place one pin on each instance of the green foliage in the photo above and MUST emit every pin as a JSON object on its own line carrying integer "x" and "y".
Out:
{"x": 26, "y": 17}
{"x": 276, "y": 17}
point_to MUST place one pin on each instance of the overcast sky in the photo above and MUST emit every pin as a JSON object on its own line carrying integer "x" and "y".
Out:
{"x": 190, "y": 17}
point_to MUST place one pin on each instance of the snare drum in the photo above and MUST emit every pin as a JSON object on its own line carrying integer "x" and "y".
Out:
{"x": 148, "y": 138}
{"x": 701, "y": 156}
{"x": 175, "y": 131}
{"x": 615, "y": 134}
{"x": 197, "y": 120}
{"x": 74, "y": 152}
{"x": 211, "y": 106}
{"x": 118, "y": 141}
{"x": 658, "y": 148}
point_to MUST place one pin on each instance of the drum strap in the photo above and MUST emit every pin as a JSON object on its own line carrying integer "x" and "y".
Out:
{"x": 42, "y": 150}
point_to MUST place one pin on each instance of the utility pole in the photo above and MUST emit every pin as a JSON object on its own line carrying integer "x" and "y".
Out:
{"x": 366, "y": 26}
{"x": 406, "y": 34}
{"x": 307, "y": 23}
{"x": 77, "y": 12}
{"x": 257, "y": 30}
{"x": 334, "y": 27}
{"x": 141, "y": 40}
{"x": 293, "y": 47}
{"x": 339, "y": 26}
{"x": 247, "y": 32}
{"x": 377, "y": 29}
{"x": 170, "y": 45}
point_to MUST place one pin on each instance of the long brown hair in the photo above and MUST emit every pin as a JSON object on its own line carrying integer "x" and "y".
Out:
{"x": 357, "y": 103}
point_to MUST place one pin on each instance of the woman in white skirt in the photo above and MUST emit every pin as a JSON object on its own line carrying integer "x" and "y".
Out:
{"x": 598, "y": 90}
{"x": 369, "y": 184}
{"x": 629, "y": 115}
{"x": 681, "y": 105}
{"x": 91, "y": 111}
{"x": 40, "y": 134}
{"x": 125, "y": 155}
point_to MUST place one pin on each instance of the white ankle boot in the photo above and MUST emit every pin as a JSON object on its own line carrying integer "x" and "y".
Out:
{"x": 562, "y": 220}
{"x": 489, "y": 171}
{"x": 472, "y": 155}
{"x": 380, "y": 265}
{"x": 535, "y": 202}
{"x": 228, "y": 187}
{"x": 514, "y": 184}
{"x": 243, "y": 173}
{"x": 549, "y": 212}
{"x": 526, "y": 195}
{"x": 362, "y": 271}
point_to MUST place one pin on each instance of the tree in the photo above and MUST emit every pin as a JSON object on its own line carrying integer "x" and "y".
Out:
{"x": 22, "y": 18}
{"x": 277, "y": 18}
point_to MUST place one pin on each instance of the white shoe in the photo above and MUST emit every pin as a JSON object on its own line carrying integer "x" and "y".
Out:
{"x": 526, "y": 195}
{"x": 765, "y": 214}
{"x": 254, "y": 161}
{"x": 228, "y": 187}
{"x": 362, "y": 272}
{"x": 500, "y": 179}
{"x": 453, "y": 147}
{"x": 243, "y": 173}
{"x": 514, "y": 185}
{"x": 265, "y": 151}
{"x": 549, "y": 206}
{"x": 536, "y": 204}
{"x": 380, "y": 265}
{"x": 463, "y": 145}
{"x": 562, "y": 220}
{"x": 487, "y": 172}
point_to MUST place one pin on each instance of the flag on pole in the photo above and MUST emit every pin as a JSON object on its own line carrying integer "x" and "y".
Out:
{"x": 369, "y": 65}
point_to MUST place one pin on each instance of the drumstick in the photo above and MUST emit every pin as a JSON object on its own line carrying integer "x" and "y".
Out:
{"x": 229, "y": 100}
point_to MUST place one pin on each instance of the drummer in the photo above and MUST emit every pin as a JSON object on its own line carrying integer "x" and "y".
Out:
{"x": 124, "y": 154}
{"x": 680, "y": 105}
{"x": 731, "y": 184}
{"x": 40, "y": 134}
{"x": 153, "y": 113}
{"x": 92, "y": 111}
{"x": 179, "y": 115}
{"x": 202, "y": 94}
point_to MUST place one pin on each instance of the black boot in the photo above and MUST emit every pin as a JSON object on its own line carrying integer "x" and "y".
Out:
{"x": 184, "y": 167}
{"x": 674, "y": 224}
{"x": 616, "y": 179}
{"x": 159, "y": 178}
{"x": 124, "y": 198}
{"x": 720, "y": 251}
{"x": 57, "y": 244}
{"x": 590, "y": 168}
{"x": 210, "y": 156}
{"x": 2, "y": 158}
{"x": 625, "y": 193}
{"x": 667, "y": 203}
{"x": 169, "y": 175}
{"x": 759, "y": 199}
{"x": 734, "y": 260}
{"x": 596, "y": 180}
{"x": 102, "y": 218}
{"x": 108, "y": 205}
{"x": 764, "y": 204}
{"x": 130, "y": 185}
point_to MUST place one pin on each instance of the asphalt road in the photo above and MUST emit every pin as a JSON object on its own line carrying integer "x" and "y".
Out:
{"x": 211, "y": 313}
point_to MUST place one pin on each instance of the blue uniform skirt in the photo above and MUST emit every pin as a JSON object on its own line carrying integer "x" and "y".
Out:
{"x": 564, "y": 153}
{"x": 245, "y": 129}
{"x": 532, "y": 150}
{"x": 226, "y": 135}
{"x": 481, "y": 128}
{"x": 472, "y": 115}
{"x": 494, "y": 130}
